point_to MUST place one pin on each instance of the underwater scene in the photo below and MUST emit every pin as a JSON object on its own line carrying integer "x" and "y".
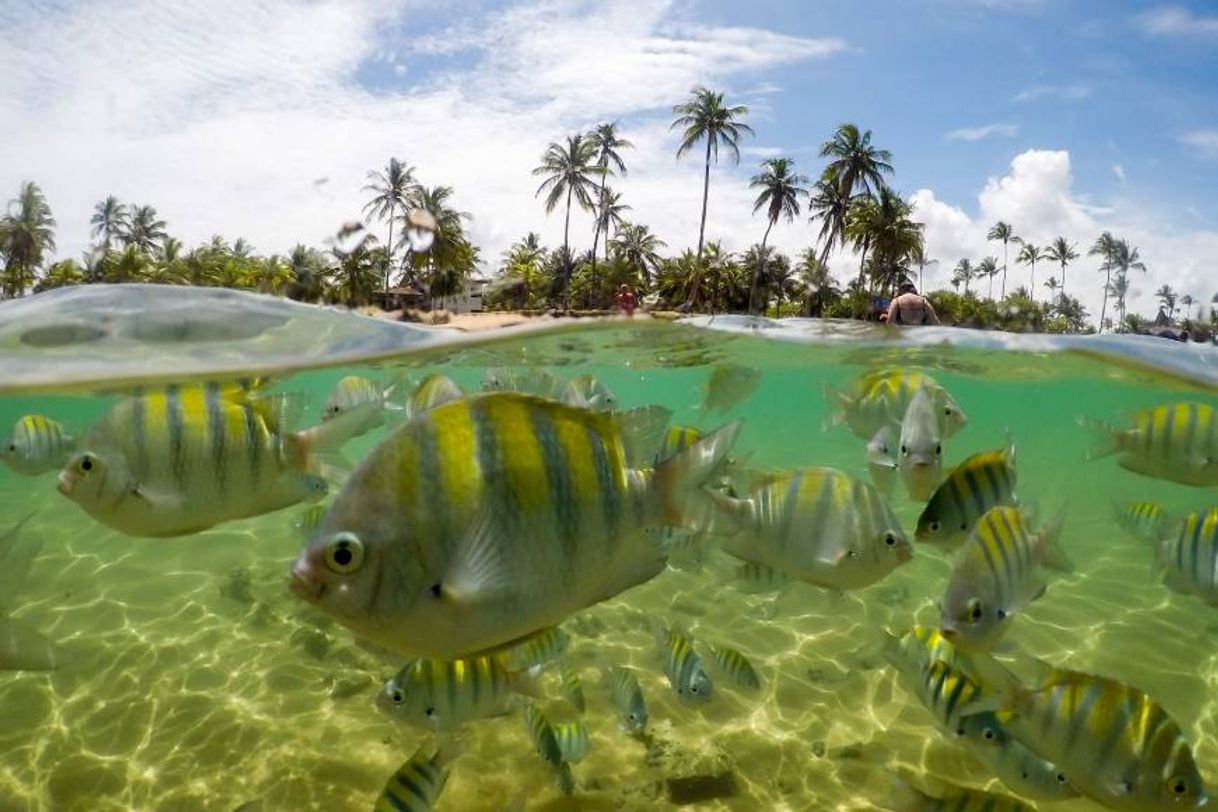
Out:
{"x": 628, "y": 566}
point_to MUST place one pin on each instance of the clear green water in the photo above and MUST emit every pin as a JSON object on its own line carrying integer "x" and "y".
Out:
{"x": 196, "y": 681}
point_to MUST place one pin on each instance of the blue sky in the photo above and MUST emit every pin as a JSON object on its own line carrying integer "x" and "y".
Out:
{"x": 1064, "y": 116}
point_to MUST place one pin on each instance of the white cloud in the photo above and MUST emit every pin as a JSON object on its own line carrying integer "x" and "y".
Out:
{"x": 1071, "y": 92}
{"x": 1177, "y": 21}
{"x": 763, "y": 152}
{"x": 982, "y": 132}
{"x": 1119, "y": 171}
{"x": 1204, "y": 141}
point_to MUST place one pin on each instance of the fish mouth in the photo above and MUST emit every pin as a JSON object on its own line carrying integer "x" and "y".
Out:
{"x": 949, "y": 632}
{"x": 65, "y": 483}
{"x": 304, "y": 586}
{"x": 904, "y": 554}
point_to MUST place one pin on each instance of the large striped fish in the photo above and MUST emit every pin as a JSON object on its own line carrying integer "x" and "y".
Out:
{"x": 881, "y": 397}
{"x": 184, "y": 458}
{"x": 1176, "y": 441}
{"x": 490, "y": 519}
{"x": 445, "y": 694}
{"x": 997, "y": 574}
{"x": 37, "y": 445}
{"x": 817, "y": 525}
{"x": 1188, "y": 560}
{"x": 1143, "y": 520}
{"x": 417, "y": 784}
{"x": 982, "y": 481}
{"x": 1116, "y": 745}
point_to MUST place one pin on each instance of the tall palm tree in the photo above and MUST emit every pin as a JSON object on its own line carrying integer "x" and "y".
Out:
{"x": 819, "y": 285}
{"x": 1063, "y": 253}
{"x": 109, "y": 220}
{"x": 1030, "y": 255}
{"x": 1116, "y": 289}
{"x": 1053, "y": 285}
{"x": 831, "y": 206}
{"x": 569, "y": 171}
{"x": 392, "y": 189}
{"x": 144, "y": 229}
{"x": 1003, "y": 232}
{"x": 921, "y": 258}
{"x": 27, "y": 235}
{"x": 1186, "y": 302}
{"x": 639, "y": 248}
{"x": 962, "y": 273}
{"x": 706, "y": 118}
{"x": 882, "y": 224}
{"x": 854, "y": 162}
{"x": 1105, "y": 246}
{"x": 988, "y": 268}
{"x": 611, "y": 212}
{"x": 1167, "y": 297}
{"x": 607, "y": 144}
{"x": 308, "y": 272}
{"x": 781, "y": 187}
{"x": 448, "y": 253}
{"x": 1125, "y": 258}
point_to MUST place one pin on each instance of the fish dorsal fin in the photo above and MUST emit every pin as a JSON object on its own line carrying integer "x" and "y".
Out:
{"x": 281, "y": 411}
{"x": 479, "y": 570}
{"x": 642, "y": 432}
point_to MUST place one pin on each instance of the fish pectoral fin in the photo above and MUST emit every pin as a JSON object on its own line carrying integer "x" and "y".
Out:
{"x": 479, "y": 570}
{"x": 157, "y": 500}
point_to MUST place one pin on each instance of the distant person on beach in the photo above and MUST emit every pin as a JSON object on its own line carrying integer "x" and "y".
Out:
{"x": 910, "y": 307}
{"x": 626, "y": 302}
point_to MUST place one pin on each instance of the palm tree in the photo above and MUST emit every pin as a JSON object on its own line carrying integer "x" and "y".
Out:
{"x": 611, "y": 211}
{"x": 639, "y": 248}
{"x": 1116, "y": 289}
{"x": 882, "y": 224}
{"x": 1002, "y": 231}
{"x": 392, "y": 189}
{"x": 607, "y": 144}
{"x": 781, "y": 188}
{"x": 129, "y": 265}
{"x": 1124, "y": 259}
{"x": 1167, "y": 298}
{"x": 962, "y": 273}
{"x": 1105, "y": 246}
{"x": 1053, "y": 286}
{"x": 854, "y": 162}
{"x": 1061, "y": 252}
{"x": 1030, "y": 255}
{"x": 144, "y": 230}
{"x": 308, "y": 272}
{"x": 988, "y": 268}
{"x": 1186, "y": 302}
{"x": 109, "y": 220}
{"x": 62, "y": 274}
{"x": 819, "y": 285}
{"x": 705, "y": 117}
{"x": 448, "y": 252}
{"x": 569, "y": 172}
{"x": 27, "y": 234}
{"x": 831, "y": 206}
{"x": 920, "y": 257}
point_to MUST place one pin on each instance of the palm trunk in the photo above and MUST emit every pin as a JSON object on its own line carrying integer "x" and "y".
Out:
{"x": 693, "y": 294}
{"x": 757, "y": 268}
{"x": 597, "y": 233}
{"x": 389, "y": 250}
{"x": 990, "y": 294}
{"x": 1005, "y": 257}
{"x": 1063, "y": 280}
{"x": 1104, "y": 302}
{"x": 1032, "y": 291}
{"x": 566, "y": 258}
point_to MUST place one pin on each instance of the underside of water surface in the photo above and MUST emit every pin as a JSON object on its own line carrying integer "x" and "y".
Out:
{"x": 192, "y": 679}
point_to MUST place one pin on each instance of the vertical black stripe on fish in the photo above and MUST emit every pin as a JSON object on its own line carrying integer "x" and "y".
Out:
{"x": 1194, "y": 544}
{"x": 174, "y": 424}
{"x": 1021, "y": 563}
{"x": 216, "y": 430}
{"x": 139, "y": 435}
{"x": 1118, "y": 727}
{"x": 1190, "y": 438}
{"x": 253, "y": 441}
{"x": 431, "y": 470}
{"x": 976, "y": 496}
{"x": 610, "y": 497}
{"x": 558, "y": 477}
{"x": 1080, "y": 711}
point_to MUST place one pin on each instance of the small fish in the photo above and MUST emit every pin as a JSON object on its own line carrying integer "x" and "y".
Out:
{"x": 1177, "y": 442}
{"x": 982, "y": 481}
{"x": 687, "y": 550}
{"x": 417, "y": 784}
{"x": 920, "y": 447}
{"x": 758, "y": 579}
{"x": 538, "y": 650}
{"x": 1143, "y": 520}
{"x": 627, "y": 696}
{"x": 1116, "y": 745}
{"x": 493, "y": 518}
{"x": 445, "y": 694}
{"x": 882, "y": 460}
{"x": 572, "y": 690}
{"x": 541, "y": 733}
{"x": 997, "y": 574}
{"x": 587, "y": 392}
{"x": 820, "y": 526}
{"x": 431, "y": 392}
{"x": 728, "y": 386}
{"x": 572, "y": 741}
{"x": 532, "y": 381}
{"x": 881, "y": 398}
{"x": 353, "y": 391}
{"x": 906, "y": 798}
{"x": 736, "y": 666}
{"x": 1188, "y": 560}
{"x": 683, "y": 667}
{"x": 37, "y": 445}
{"x": 309, "y": 518}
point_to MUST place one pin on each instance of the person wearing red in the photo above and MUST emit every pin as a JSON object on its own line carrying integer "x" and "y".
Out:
{"x": 626, "y": 301}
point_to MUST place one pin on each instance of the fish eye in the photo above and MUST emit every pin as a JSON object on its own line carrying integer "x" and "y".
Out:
{"x": 973, "y": 610}
{"x": 890, "y": 539}
{"x": 344, "y": 553}
{"x": 86, "y": 463}
{"x": 430, "y": 712}
{"x": 938, "y": 449}
{"x": 988, "y": 734}
{"x": 947, "y": 410}
{"x": 397, "y": 698}
{"x": 1179, "y": 786}
{"x": 12, "y": 446}
{"x": 934, "y": 526}
{"x": 1002, "y": 615}
{"x": 904, "y": 450}
{"x": 1061, "y": 778}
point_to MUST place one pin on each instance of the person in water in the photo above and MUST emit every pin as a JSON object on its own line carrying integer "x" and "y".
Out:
{"x": 910, "y": 307}
{"x": 625, "y": 300}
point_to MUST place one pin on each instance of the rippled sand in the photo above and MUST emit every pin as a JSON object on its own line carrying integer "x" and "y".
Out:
{"x": 197, "y": 682}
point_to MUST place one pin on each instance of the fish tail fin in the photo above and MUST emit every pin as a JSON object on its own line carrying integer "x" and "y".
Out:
{"x": 642, "y": 432}
{"x": 1049, "y": 543}
{"x": 680, "y": 480}
{"x": 1108, "y": 438}
{"x": 322, "y": 445}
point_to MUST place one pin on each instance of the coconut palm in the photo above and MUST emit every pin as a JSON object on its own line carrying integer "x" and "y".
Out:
{"x": 1053, "y": 285}
{"x": 962, "y": 274}
{"x": 921, "y": 259}
{"x": 854, "y": 163}
{"x": 109, "y": 221}
{"x": 1003, "y": 232}
{"x": 1167, "y": 298}
{"x": 1030, "y": 255}
{"x": 308, "y": 271}
{"x": 883, "y": 225}
{"x": 611, "y": 212}
{"x": 831, "y": 206}
{"x": 819, "y": 285}
{"x": 144, "y": 229}
{"x": 781, "y": 187}
{"x": 569, "y": 172}
{"x": 608, "y": 145}
{"x": 706, "y": 118}
{"x": 129, "y": 265}
{"x": 1124, "y": 259}
{"x": 448, "y": 253}
{"x": 1105, "y": 246}
{"x": 27, "y": 235}
{"x": 393, "y": 189}
{"x": 1117, "y": 289}
{"x": 639, "y": 248}
{"x": 988, "y": 269}
{"x": 62, "y": 274}
{"x": 1063, "y": 253}
{"x": 1186, "y": 302}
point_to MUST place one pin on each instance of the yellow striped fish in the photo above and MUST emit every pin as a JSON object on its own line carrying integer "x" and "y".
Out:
{"x": 982, "y": 481}
{"x": 572, "y": 740}
{"x": 566, "y": 779}
{"x": 37, "y": 445}
{"x": 572, "y": 690}
{"x": 683, "y": 667}
{"x": 1116, "y": 745}
{"x": 758, "y": 579}
{"x": 183, "y": 458}
{"x": 1143, "y": 520}
{"x": 997, "y": 574}
{"x": 417, "y": 784}
{"x": 929, "y": 668}
{"x": 587, "y": 392}
{"x": 366, "y": 396}
{"x": 818, "y": 525}
{"x": 1177, "y": 442}
{"x": 952, "y": 799}
{"x": 881, "y": 397}
{"x": 627, "y": 697}
{"x": 1188, "y": 560}
{"x": 431, "y": 392}
{"x": 541, "y": 733}
{"x": 727, "y": 386}
{"x": 736, "y": 666}
{"x": 490, "y": 519}
{"x": 543, "y": 648}
{"x": 445, "y": 694}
